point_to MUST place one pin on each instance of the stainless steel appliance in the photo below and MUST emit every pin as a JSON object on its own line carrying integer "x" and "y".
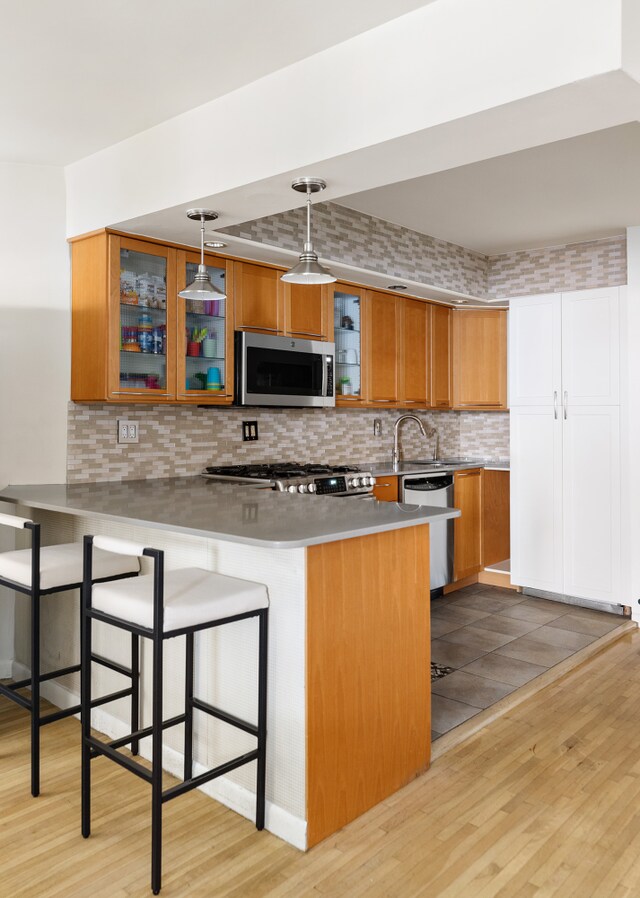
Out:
{"x": 291, "y": 477}
{"x": 436, "y": 490}
{"x": 283, "y": 371}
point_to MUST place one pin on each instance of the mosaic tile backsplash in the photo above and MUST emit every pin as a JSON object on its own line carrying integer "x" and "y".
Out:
{"x": 179, "y": 441}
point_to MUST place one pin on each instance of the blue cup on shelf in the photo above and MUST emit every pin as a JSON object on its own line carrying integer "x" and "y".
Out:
{"x": 213, "y": 379}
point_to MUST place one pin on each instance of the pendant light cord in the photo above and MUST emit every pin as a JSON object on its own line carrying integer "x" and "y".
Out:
{"x": 308, "y": 215}
{"x": 202, "y": 240}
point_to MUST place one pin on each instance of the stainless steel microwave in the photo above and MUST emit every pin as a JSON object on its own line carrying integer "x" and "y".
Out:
{"x": 283, "y": 371}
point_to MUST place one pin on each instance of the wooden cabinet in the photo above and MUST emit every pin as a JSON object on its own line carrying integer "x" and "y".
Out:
{"x": 386, "y": 489}
{"x": 266, "y": 304}
{"x": 440, "y": 362}
{"x": 350, "y": 340}
{"x": 415, "y": 373}
{"x": 308, "y": 311}
{"x": 259, "y": 298}
{"x": 467, "y": 496}
{"x": 129, "y": 340}
{"x": 495, "y": 517}
{"x": 204, "y": 367}
{"x": 383, "y": 327}
{"x": 479, "y": 359}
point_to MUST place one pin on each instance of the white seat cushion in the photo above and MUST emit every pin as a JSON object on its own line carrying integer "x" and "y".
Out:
{"x": 62, "y": 565}
{"x": 191, "y": 597}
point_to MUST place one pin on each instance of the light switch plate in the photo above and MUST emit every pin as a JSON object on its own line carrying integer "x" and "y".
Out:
{"x": 127, "y": 431}
{"x": 249, "y": 431}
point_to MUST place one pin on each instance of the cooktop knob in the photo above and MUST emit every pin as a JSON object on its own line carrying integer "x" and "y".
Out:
{"x": 312, "y": 487}
{"x": 302, "y": 488}
{"x": 355, "y": 481}
{"x": 292, "y": 489}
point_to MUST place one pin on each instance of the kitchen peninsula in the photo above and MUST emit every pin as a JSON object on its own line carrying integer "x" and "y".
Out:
{"x": 349, "y": 679}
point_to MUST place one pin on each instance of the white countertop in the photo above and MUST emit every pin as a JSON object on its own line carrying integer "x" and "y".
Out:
{"x": 226, "y": 511}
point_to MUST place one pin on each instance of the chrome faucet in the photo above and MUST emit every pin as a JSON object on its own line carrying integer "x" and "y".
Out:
{"x": 395, "y": 455}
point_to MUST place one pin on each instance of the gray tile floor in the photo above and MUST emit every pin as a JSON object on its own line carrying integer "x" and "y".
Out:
{"x": 497, "y": 640}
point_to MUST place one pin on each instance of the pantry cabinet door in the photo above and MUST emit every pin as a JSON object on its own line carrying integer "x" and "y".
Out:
{"x": 536, "y": 498}
{"x": 535, "y": 338}
{"x": 591, "y": 347}
{"x": 591, "y": 519}
{"x": 259, "y": 298}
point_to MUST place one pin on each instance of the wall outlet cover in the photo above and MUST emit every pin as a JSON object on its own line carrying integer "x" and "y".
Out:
{"x": 127, "y": 431}
{"x": 249, "y": 431}
{"x": 377, "y": 427}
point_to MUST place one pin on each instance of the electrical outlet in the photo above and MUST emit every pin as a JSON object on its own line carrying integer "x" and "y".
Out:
{"x": 127, "y": 431}
{"x": 377, "y": 427}
{"x": 249, "y": 431}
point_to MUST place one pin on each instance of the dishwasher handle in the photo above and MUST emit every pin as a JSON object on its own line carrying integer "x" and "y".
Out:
{"x": 426, "y": 484}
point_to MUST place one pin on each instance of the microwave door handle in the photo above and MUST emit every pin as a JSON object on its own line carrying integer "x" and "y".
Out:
{"x": 325, "y": 369}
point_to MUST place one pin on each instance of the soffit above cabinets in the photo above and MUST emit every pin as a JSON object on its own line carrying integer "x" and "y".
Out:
{"x": 253, "y": 251}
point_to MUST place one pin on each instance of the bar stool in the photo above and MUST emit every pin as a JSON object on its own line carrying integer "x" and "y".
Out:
{"x": 42, "y": 571}
{"x": 162, "y": 606}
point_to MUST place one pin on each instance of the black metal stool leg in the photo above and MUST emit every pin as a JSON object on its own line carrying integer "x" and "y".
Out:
{"x": 135, "y": 691}
{"x": 262, "y": 717}
{"x": 156, "y": 780}
{"x": 85, "y": 701}
{"x": 35, "y": 693}
{"x": 188, "y": 707}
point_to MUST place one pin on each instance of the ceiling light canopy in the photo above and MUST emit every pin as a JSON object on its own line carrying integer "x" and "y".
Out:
{"x": 308, "y": 270}
{"x": 201, "y": 286}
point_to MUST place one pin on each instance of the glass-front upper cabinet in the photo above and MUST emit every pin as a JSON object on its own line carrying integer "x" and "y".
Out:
{"x": 347, "y": 318}
{"x": 143, "y": 365}
{"x": 205, "y": 335}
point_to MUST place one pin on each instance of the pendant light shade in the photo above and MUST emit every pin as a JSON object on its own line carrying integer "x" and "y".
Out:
{"x": 201, "y": 286}
{"x": 308, "y": 270}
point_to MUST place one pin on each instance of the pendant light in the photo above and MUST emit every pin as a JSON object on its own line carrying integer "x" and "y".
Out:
{"x": 201, "y": 286}
{"x": 308, "y": 270}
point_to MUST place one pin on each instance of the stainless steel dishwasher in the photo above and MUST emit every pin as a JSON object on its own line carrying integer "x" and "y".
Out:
{"x": 436, "y": 490}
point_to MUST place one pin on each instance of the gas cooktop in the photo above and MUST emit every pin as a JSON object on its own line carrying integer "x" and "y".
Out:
{"x": 294, "y": 477}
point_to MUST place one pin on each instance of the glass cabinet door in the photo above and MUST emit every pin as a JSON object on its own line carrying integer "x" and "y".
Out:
{"x": 204, "y": 371}
{"x": 143, "y": 322}
{"x": 348, "y": 339}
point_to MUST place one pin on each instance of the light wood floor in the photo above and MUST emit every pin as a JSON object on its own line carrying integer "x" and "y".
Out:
{"x": 543, "y": 802}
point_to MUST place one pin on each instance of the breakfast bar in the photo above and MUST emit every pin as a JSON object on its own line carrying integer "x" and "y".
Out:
{"x": 349, "y": 679}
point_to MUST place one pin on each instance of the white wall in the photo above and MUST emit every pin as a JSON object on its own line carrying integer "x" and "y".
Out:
{"x": 631, "y": 430}
{"x": 35, "y": 326}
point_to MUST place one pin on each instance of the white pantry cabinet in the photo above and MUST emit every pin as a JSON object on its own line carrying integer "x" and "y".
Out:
{"x": 565, "y": 443}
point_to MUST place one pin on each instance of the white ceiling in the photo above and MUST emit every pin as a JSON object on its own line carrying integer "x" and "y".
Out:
{"x": 572, "y": 190}
{"x": 80, "y": 75}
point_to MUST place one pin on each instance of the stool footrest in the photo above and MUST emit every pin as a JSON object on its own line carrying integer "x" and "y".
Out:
{"x": 112, "y": 665}
{"x": 223, "y": 715}
{"x": 51, "y": 675}
{"x": 147, "y": 731}
{"x": 8, "y": 692}
{"x": 215, "y": 772}
{"x": 104, "y": 748}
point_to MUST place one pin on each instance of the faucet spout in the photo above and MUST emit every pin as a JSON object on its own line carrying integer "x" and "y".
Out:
{"x": 395, "y": 455}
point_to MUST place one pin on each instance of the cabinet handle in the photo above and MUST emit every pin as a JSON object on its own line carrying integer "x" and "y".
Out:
{"x": 349, "y": 398}
{"x": 140, "y": 393}
{"x": 304, "y": 334}
{"x": 256, "y": 327}
{"x": 566, "y": 403}
{"x": 383, "y": 400}
{"x": 194, "y": 394}
{"x": 555, "y": 405}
